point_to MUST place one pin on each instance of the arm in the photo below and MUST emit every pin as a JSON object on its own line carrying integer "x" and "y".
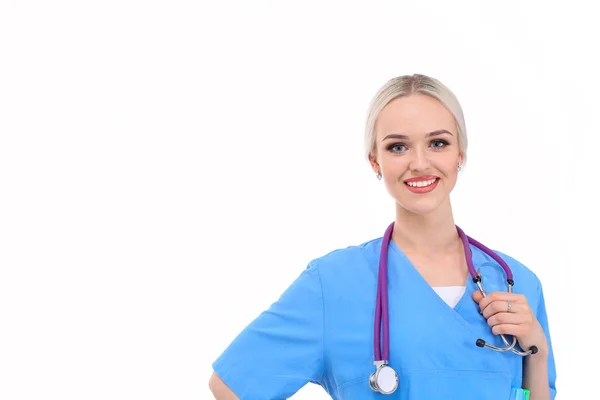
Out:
{"x": 539, "y": 370}
{"x": 280, "y": 351}
{"x": 535, "y": 375}
{"x": 219, "y": 389}
{"x": 531, "y": 328}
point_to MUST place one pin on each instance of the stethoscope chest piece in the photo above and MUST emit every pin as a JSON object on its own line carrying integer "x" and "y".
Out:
{"x": 384, "y": 380}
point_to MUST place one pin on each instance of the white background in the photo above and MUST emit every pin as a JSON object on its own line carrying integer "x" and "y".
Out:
{"x": 168, "y": 168}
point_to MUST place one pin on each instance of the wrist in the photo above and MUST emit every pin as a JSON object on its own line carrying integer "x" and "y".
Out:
{"x": 541, "y": 355}
{"x": 541, "y": 343}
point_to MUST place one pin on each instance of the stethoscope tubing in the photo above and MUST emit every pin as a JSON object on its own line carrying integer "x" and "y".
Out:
{"x": 381, "y": 339}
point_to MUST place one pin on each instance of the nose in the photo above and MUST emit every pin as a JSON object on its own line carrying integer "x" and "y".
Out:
{"x": 419, "y": 160}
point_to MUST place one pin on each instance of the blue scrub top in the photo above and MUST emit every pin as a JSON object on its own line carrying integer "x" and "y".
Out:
{"x": 321, "y": 331}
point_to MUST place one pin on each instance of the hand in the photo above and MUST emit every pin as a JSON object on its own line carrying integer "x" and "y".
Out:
{"x": 519, "y": 322}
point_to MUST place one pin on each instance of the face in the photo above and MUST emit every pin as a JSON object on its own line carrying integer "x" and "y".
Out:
{"x": 417, "y": 152}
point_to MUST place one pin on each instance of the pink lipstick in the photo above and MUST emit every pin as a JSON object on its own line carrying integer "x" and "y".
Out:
{"x": 422, "y": 184}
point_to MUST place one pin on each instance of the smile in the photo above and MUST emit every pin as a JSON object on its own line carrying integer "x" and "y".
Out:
{"x": 421, "y": 183}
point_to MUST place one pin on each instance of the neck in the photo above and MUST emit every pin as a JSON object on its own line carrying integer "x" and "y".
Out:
{"x": 430, "y": 234}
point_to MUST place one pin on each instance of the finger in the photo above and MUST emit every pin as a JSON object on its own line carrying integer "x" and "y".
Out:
{"x": 501, "y": 296}
{"x": 509, "y": 329}
{"x": 497, "y": 296}
{"x": 501, "y": 306}
{"x": 477, "y": 296}
{"x": 507, "y": 318}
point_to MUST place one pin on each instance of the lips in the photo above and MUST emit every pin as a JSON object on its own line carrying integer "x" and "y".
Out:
{"x": 422, "y": 184}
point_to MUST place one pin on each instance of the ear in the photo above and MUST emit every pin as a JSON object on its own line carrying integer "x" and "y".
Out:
{"x": 374, "y": 163}
{"x": 460, "y": 159}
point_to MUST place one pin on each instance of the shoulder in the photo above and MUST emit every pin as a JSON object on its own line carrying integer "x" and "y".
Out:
{"x": 337, "y": 271}
{"x": 526, "y": 280}
{"x": 520, "y": 270}
{"x": 356, "y": 261}
{"x": 349, "y": 256}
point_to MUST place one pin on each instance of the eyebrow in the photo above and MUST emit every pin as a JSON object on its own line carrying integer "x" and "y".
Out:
{"x": 404, "y": 137}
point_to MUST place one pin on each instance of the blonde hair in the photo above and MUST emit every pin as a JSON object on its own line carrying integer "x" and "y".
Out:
{"x": 406, "y": 85}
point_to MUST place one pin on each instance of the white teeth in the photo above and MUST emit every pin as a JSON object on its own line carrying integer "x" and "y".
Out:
{"x": 421, "y": 183}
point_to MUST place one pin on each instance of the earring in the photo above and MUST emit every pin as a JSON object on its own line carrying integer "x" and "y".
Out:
{"x": 379, "y": 175}
{"x": 459, "y": 167}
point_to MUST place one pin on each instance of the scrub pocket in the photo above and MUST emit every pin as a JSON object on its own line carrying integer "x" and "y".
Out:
{"x": 519, "y": 394}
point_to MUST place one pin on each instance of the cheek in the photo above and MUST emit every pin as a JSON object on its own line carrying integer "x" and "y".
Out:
{"x": 393, "y": 162}
{"x": 449, "y": 165}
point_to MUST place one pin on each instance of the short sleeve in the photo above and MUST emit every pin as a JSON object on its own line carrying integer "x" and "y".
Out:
{"x": 542, "y": 317}
{"x": 282, "y": 349}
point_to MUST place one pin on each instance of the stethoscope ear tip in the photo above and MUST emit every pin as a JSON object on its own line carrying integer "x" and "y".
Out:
{"x": 480, "y": 343}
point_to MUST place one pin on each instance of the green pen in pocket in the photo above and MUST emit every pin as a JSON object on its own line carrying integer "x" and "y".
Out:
{"x": 519, "y": 394}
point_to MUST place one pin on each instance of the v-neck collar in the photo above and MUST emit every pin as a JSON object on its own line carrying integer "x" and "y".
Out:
{"x": 469, "y": 285}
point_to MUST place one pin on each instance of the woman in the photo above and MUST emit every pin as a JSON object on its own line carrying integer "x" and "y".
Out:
{"x": 330, "y": 325}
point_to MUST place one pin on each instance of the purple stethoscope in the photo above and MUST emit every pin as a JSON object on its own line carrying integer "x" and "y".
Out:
{"x": 385, "y": 379}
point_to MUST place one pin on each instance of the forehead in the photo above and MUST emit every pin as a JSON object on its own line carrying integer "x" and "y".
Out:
{"x": 414, "y": 114}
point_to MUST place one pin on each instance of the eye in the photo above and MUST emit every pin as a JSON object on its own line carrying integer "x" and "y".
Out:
{"x": 397, "y": 148}
{"x": 439, "y": 144}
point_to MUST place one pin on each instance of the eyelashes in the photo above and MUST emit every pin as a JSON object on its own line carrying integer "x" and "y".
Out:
{"x": 393, "y": 147}
{"x": 436, "y": 144}
{"x": 443, "y": 143}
